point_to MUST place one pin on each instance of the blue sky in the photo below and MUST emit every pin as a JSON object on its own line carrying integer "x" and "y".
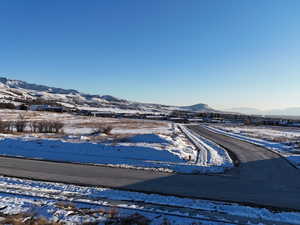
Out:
{"x": 226, "y": 53}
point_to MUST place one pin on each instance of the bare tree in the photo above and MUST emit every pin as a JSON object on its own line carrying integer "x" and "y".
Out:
{"x": 42, "y": 126}
{"x": 21, "y": 123}
{"x": 34, "y": 126}
{"x": 6, "y": 126}
{"x": 57, "y": 127}
{"x": 2, "y": 126}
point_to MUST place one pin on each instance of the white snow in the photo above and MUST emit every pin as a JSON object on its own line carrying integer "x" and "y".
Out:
{"x": 161, "y": 130}
{"x": 269, "y": 133}
{"x": 20, "y": 195}
{"x": 148, "y": 151}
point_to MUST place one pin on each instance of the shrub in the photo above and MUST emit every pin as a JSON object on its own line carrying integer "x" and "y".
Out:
{"x": 102, "y": 129}
{"x": 107, "y": 130}
{"x": 23, "y": 107}
{"x": 4, "y": 105}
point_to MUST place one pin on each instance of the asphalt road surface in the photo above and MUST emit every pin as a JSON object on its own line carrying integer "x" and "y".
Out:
{"x": 263, "y": 177}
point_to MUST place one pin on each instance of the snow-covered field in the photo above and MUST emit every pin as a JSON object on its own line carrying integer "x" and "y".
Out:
{"x": 73, "y": 204}
{"x": 138, "y": 144}
{"x": 268, "y": 137}
{"x": 268, "y": 133}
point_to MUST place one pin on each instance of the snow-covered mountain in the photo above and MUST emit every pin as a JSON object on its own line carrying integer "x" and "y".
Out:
{"x": 19, "y": 92}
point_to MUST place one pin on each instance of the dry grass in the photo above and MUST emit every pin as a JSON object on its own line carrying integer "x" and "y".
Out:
{"x": 113, "y": 216}
{"x": 26, "y": 219}
{"x": 136, "y": 219}
{"x": 86, "y": 211}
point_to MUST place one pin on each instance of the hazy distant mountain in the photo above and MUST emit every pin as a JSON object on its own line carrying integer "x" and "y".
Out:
{"x": 18, "y": 92}
{"x": 245, "y": 110}
{"x": 293, "y": 111}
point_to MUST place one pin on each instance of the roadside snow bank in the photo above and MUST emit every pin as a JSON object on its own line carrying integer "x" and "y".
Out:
{"x": 210, "y": 153}
{"x": 281, "y": 148}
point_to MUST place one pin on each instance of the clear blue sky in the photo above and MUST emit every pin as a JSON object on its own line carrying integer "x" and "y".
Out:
{"x": 221, "y": 52}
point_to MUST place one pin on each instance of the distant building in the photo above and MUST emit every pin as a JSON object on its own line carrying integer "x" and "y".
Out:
{"x": 48, "y": 108}
{"x": 195, "y": 120}
{"x": 103, "y": 114}
{"x": 155, "y": 117}
{"x": 178, "y": 120}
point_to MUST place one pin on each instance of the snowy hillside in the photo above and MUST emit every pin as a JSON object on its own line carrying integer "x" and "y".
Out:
{"x": 198, "y": 108}
{"x": 18, "y": 92}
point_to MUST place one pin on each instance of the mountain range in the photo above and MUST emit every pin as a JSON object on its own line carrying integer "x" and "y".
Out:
{"x": 18, "y": 92}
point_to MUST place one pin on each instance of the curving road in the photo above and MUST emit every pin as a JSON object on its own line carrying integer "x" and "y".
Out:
{"x": 256, "y": 163}
{"x": 262, "y": 178}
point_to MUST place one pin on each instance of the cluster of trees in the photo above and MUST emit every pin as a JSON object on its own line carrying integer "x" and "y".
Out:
{"x": 4, "y": 105}
{"x": 46, "y": 126}
{"x": 21, "y": 124}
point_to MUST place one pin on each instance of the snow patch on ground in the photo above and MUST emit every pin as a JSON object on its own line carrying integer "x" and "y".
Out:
{"x": 269, "y": 133}
{"x": 146, "y": 138}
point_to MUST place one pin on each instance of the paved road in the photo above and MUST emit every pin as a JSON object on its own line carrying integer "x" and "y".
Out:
{"x": 262, "y": 178}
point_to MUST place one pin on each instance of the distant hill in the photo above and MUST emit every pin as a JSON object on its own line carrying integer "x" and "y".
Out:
{"x": 198, "y": 108}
